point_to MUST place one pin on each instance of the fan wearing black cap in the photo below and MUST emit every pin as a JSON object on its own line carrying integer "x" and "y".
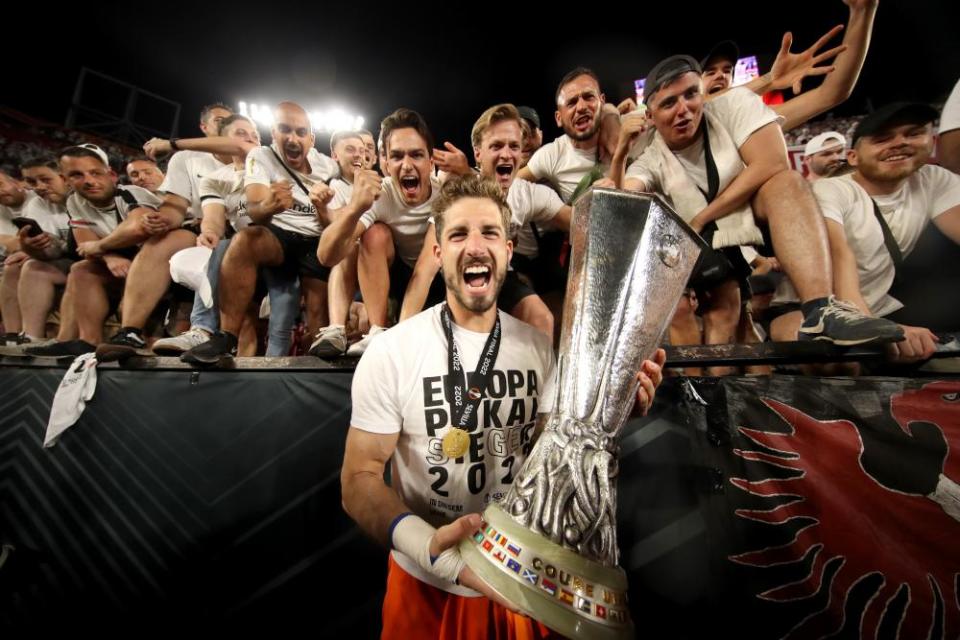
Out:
{"x": 723, "y": 164}
{"x": 533, "y": 139}
{"x": 876, "y": 218}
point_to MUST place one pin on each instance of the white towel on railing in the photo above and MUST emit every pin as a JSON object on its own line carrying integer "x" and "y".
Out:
{"x": 75, "y": 390}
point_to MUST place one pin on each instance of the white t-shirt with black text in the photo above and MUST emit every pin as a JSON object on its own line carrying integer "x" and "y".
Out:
{"x": 398, "y": 387}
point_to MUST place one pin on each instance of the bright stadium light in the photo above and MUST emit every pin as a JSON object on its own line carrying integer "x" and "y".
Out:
{"x": 323, "y": 121}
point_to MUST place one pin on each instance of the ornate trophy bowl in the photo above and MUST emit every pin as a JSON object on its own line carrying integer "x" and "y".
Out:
{"x": 551, "y": 546}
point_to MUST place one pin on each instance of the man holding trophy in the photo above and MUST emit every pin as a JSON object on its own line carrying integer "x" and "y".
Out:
{"x": 456, "y": 397}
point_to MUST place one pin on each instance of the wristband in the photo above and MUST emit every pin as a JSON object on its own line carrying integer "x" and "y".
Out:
{"x": 411, "y": 535}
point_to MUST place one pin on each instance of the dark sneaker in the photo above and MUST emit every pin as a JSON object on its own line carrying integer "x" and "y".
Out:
{"x": 124, "y": 344}
{"x": 70, "y": 349}
{"x": 843, "y": 324}
{"x": 330, "y": 342}
{"x": 11, "y": 339}
{"x": 220, "y": 345}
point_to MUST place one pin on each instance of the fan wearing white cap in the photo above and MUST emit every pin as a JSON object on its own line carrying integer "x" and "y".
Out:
{"x": 824, "y": 154}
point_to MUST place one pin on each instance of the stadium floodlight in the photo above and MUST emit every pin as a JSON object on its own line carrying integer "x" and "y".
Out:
{"x": 323, "y": 121}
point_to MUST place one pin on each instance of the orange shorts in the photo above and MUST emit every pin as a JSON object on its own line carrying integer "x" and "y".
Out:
{"x": 413, "y": 610}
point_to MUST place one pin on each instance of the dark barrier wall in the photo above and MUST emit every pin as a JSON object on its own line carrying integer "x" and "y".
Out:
{"x": 749, "y": 508}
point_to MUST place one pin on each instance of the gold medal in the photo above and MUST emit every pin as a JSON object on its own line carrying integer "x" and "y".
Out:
{"x": 455, "y": 443}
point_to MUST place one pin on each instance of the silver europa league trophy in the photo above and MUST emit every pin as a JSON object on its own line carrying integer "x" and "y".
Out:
{"x": 550, "y": 546}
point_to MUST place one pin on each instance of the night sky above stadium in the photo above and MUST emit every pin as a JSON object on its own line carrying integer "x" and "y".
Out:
{"x": 449, "y": 67}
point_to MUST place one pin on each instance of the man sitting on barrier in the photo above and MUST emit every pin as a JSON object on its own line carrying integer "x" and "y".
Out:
{"x": 875, "y": 218}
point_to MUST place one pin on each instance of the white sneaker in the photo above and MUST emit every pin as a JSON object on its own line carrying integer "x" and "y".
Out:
{"x": 331, "y": 342}
{"x": 357, "y": 348}
{"x": 181, "y": 343}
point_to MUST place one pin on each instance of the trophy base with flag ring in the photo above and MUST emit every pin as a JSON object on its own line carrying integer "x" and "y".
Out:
{"x": 560, "y": 588}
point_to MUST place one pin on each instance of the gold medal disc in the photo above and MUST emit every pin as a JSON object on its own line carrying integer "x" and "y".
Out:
{"x": 455, "y": 443}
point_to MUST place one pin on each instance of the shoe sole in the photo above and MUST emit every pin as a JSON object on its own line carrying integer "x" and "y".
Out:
{"x": 327, "y": 351}
{"x": 875, "y": 340}
{"x": 116, "y": 352}
{"x": 60, "y": 356}
{"x": 168, "y": 351}
{"x": 192, "y": 359}
{"x": 13, "y": 352}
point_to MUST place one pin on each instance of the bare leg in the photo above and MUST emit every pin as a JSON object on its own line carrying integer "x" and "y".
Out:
{"x": 747, "y": 334}
{"x": 720, "y": 320}
{"x": 248, "y": 340}
{"x": 36, "y": 293}
{"x": 342, "y": 287}
{"x": 315, "y": 294}
{"x": 87, "y": 287}
{"x": 9, "y": 304}
{"x": 376, "y": 256}
{"x": 251, "y": 248}
{"x": 786, "y": 203}
{"x": 684, "y": 329}
{"x": 149, "y": 275}
{"x": 68, "y": 321}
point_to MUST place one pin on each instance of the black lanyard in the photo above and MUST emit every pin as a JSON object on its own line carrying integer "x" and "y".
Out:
{"x": 890, "y": 242}
{"x": 290, "y": 171}
{"x": 713, "y": 184}
{"x": 713, "y": 176}
{"x": 463, "y": 408}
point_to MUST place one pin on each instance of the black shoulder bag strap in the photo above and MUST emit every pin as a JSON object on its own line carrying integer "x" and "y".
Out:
{"x": 891, "y": 243}
{"x": 289, "y": 171}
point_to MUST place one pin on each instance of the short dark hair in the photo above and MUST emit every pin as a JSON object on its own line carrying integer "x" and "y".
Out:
{"x": 229, "y": 120}
{"x": 45, "y": 160}
{"x": 471, "y": 185}
{"x": 205, "y": 112}
{"x": 576, "y": 73}
{"x": 405, "y": 119}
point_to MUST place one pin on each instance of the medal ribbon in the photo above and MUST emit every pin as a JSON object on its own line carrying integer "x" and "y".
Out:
{"x": 462, "y": 406}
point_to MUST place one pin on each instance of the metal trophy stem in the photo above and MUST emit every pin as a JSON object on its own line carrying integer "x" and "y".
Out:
{"x": 551, "y": 545}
